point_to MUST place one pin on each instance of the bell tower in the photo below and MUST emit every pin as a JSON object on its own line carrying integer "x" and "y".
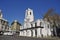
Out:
{"x": 29, "y": 15}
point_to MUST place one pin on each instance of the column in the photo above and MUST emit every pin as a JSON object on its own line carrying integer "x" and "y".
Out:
{"x": 24, "y": 32}
{"x": 33, "y": 33}
{"x": 39, "y": 32}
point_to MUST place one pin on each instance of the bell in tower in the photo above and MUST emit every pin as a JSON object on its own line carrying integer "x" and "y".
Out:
{"x": 1, "y": 14}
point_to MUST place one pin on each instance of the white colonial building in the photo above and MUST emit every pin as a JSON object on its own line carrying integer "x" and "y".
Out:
{"x": 32, "y": 28}
{"x": 4, "y": 25}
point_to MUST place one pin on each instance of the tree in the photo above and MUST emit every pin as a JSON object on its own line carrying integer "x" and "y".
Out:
{"x": 53, "y": 18}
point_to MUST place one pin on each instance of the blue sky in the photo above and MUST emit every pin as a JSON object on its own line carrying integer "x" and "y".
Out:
{"x": 15, "y": 9}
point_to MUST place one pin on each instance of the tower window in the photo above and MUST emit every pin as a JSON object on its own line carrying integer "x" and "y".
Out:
{"x": 30, "y": 13}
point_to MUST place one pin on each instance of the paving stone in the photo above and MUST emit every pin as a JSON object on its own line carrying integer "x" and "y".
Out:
{"x": 22, "y": 38}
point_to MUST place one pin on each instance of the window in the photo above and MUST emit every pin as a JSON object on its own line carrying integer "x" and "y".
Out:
{"x": 48, "y": 26}
{"x": 31, "y": 33}
{"x": 27, "y": 13}
{"x": 2, "y": 27}
{"x": 40, "y": 23}
{"x": 35, "y": 24}
{"x": 30, "y": 13}
{"x": 31, "y": 25}
{"x": 35, "y": 32}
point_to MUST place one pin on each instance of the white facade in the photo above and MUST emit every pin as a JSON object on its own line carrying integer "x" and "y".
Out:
{"x": 38, "y": 28}
{"x": 3, "y": 23}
